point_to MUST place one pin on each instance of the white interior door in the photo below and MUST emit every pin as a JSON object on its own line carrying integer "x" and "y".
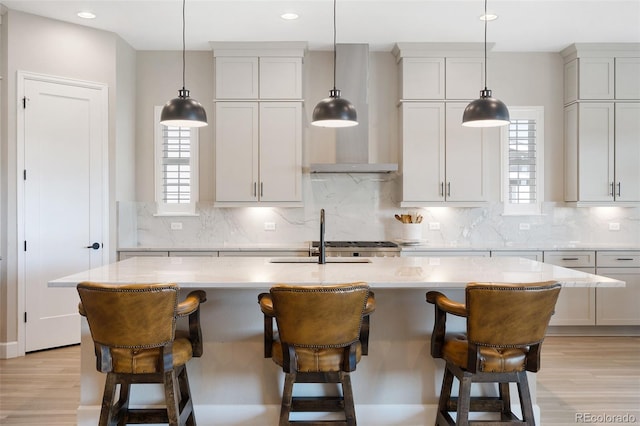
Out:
{"x": 64, "y": 140}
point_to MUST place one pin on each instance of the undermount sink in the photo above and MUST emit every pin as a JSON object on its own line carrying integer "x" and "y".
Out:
{"x": 315, "y": 260}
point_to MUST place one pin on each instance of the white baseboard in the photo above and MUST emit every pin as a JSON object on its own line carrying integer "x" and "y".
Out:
{"x": 265, "y": 415}
{"x": 8, "y": 350}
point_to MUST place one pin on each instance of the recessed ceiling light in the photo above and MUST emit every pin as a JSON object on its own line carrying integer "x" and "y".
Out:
{"x": 85, "y": 14}
{"x": 489, "y": 17}
{"x": 289, "y": 16}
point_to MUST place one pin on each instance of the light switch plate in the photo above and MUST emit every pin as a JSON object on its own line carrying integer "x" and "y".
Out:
{"x": 614, "y": 226}
{"x": 176, "y": 226}
{"x": 269, "y": 226}
{"x": 434, "y": 226}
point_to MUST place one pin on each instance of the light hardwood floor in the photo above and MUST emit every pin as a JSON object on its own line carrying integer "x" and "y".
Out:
{"x": 581, "y": 378}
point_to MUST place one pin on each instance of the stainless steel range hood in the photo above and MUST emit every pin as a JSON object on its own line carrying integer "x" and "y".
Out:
{"x": 352, "y": 143}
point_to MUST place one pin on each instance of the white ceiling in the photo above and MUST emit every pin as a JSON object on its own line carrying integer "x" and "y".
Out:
{"x": 523, "y": 25}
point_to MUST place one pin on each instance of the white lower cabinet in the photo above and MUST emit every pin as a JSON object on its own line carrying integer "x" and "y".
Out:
{"x": 527, "y": 254}
{"x": 575, "y": 306}
{"x": 619, "y": 306}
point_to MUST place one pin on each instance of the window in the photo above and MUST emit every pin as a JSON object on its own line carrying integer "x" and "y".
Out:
{"x": 522, "y": 143}
{"x": 176, "y": 164}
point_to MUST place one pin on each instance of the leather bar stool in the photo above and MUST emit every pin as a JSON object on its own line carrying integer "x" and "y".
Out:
{"x": 322, "y": 332}
{"x": 133, "y": 328}
{"x": 505, "y": 327}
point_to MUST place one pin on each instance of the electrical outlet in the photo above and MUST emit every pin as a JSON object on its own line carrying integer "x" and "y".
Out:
{"x": 525, "y": 226}
{"x": 176, "y": 226}
{"x": 269, "y": 226}
{"x": 614, "y": 226}
{"x": 434, "y": 226}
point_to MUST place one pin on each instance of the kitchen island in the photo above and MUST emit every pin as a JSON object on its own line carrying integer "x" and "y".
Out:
{"x": 232, "y": 384}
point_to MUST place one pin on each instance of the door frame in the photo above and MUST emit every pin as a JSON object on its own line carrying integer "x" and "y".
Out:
{"x": 22, "y": 77}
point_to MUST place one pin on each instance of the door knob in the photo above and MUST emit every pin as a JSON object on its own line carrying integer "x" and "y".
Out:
{"x": 94, "y": 246}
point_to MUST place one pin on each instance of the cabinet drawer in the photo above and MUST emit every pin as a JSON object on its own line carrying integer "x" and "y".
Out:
{"x": 571, "y": 259}
{"x": 618, "y": 259}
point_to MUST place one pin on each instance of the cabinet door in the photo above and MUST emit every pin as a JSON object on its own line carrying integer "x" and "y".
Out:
{"x": 571, "y": 81}
{"x": 619, "y": 306}
{"x": 280, "y": 151}
{"x": 628, "y": 78}
{"x": 596, "y": 78}
{"x": 465, "y": 180}
{"x": 464, "y": 78}
{"x": 280, "y": 78}
{"x": 422, "y": 78}
{"x": 596, "y": 151}
{"x": 236, "y": 77}
{"x": 627, "y": 151}
{"x": 236, "y": 142}
{"x": 575, "y": 306}
{"x": 422, "y": 151}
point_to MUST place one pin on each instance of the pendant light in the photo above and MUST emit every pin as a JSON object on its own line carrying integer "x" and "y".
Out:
{"x": 486, "y": 111}
{"x": 183, "y": 111}
{"x": 334, "y": 111}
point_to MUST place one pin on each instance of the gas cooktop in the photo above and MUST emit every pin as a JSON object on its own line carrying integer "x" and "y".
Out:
{"x": 356, "y": 244}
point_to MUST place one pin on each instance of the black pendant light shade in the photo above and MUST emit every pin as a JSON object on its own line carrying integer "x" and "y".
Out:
{"x": 334, "y": 111}
{"x": 183, "y": 111}
{"x": 485, "y": 111}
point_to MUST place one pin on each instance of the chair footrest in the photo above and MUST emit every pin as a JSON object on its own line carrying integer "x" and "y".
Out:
{"x": 318, "y": 404}
{"x": 487, "y": 404}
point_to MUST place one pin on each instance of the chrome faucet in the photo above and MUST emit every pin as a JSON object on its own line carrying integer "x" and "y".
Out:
{"x": 321, "y": 247}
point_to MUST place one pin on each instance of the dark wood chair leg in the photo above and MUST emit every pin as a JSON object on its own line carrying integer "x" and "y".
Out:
{"x": 171, "y": 394}
{"x": 445, "y": 396}
{"x": 106, "y": 413}
{"x": 505, "y": 399}
{"x": 525, "y": 399}
{"x": 347, "y": 394}
{"x": 122, "y": 407}
{"x": 464, "y": 401}
{"x": 287, "y": 398}
{"x": 187, "y": 416}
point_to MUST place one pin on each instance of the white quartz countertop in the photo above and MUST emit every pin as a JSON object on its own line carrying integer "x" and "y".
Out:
{"x": 378, "y": 272}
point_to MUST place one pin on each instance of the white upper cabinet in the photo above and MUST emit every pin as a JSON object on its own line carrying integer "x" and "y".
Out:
{"x": 258, "y": 123}
{"x": 602, "y": 123}
{"x": 423, "y": 151}
{"x": 628, "y": 78}
{"x": 422, "y": 78}
{"x": 236, "y": 77}
{"x": 627, "y": 152}
{"x": 280, "y": 78}
{"x": 443, "y": 163}
{"x": 596, "y": 78}
{"x": 465, "y": 78}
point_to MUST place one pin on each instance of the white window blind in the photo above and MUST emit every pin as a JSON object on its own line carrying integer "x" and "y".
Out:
{"x": 522, "y": 161}
{"x": 176, "y": 175}
{"x": 176, "y": 165}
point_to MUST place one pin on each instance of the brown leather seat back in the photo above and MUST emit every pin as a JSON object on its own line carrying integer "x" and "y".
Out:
{"x": 319, "y": 316}
{"x": 130, "y": 316}
{"x": 509, "y": 315}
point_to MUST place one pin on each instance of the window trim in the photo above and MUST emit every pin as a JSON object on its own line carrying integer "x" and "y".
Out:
{"x": 533, "y": 209}
{"x": 174, "y": 209}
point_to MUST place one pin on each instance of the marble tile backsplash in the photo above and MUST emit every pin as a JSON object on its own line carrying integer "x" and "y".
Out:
{"x": 362, "y": 207}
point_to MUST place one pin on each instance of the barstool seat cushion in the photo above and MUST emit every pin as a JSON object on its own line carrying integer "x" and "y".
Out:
{"x": 490, "y": 360}
{"x": 142, "y": 361}
{"x": 316, "y": 359}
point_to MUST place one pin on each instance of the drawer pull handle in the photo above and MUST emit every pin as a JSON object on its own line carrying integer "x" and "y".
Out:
{"x": 624, "y": 258}
{"x": 570, "y": 258}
